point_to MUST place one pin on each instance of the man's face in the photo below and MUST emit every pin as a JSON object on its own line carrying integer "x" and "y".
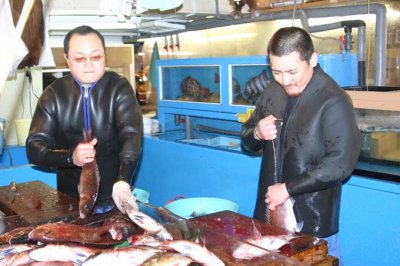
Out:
{"x": 86, "y": 58}
{"x": 292, "y": 73}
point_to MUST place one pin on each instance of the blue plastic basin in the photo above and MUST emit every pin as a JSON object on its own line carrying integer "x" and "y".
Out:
{"x": 141, "y": 195}
{"x": 198, "y": 206}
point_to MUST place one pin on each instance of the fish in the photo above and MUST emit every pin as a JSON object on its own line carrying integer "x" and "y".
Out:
{"x": 148, "y": 224}
{"x": 283, "y": 216}
{"x": 88, "y": 184}
{"x": 256, "y": 85}
{"x": 144, "y": 240}
{"x": 51, "y": 263}
{"x": 193, "y": 250}
{"x": 168, "y": 259}
{"x": 245, "y": 251}
{"x": 62, "y": 232}
{"x": 130, "y": 256}
{"x": 6, "y": 250}
{"x": 63, "y": 253}
{"x": 20, "y": 258}
{"x": 120, "y": 227}
{"x": 16, "y": 236}
{"x": 259, "y": 245}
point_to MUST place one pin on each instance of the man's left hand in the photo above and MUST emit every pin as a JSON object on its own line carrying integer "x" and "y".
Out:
{"x": 123, "y": 196}
{"x": 276, "y": 195}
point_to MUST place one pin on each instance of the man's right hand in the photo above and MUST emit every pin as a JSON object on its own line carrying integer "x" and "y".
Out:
{"x": 84, "y": 153}
{"x": 266, "y": 128}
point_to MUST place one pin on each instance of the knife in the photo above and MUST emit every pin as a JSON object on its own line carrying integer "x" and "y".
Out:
{"x": 11, "y": 192}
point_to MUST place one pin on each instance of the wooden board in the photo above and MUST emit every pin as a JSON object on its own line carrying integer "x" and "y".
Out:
{"x": 36, "y": 203}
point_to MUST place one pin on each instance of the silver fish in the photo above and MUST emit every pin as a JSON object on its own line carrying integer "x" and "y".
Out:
{"x": 193, "y": 250}
{"x": 20, "y": 258}
{"x": 168, "y": 259}
{"x": 283, "y": 216}
{"x": 259, "y": 245}
{"x": 6, "y": 250}
{"x": 64, "y": 253}
{"x": 148, "y": 224}
{"x": 88, "y": 184}
{"x": 145, "y": 240}
{"x": 52, "y": 263}
{"x": 129, "y": 256}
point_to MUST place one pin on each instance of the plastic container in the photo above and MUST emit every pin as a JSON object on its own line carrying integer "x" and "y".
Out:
{"x": 22, "y": 129}
{"x": 141, "y": 195}
{"x": 198, "y": 206}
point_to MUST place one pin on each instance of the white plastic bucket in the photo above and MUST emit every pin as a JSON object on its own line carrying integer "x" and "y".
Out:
{"x": 22, "y": 129}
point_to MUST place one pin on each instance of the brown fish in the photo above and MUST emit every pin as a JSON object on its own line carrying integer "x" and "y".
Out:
{"x": 16, "y": 236}
{"x": 89, "y": 183}
{"x": 61, "y": 232}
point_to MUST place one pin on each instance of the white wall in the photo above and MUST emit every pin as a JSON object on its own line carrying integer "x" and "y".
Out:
{"x": 18, "y": 101}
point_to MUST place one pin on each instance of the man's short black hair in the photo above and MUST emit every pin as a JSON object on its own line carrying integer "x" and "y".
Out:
{"x": 291, "y": 39}
{"x": 81, "y": 30}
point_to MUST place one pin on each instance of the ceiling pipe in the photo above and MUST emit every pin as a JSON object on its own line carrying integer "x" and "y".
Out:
{"x": 379, "y": 10}
{"x": 347, "y": 26}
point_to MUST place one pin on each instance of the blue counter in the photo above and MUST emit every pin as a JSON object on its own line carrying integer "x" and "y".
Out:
{"x": 369, "y": 221}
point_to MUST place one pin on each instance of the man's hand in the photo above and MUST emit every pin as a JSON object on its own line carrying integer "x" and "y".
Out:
{"x": 266, "y": 129}
{"x": 276, "y": 195}
{"x": 84, "y": 153}
{"x": 123, "y": 196}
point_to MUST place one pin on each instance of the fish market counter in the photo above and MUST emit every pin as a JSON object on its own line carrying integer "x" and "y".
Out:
{"x": 170, "y": 168}
{"x": 234, "y": 238}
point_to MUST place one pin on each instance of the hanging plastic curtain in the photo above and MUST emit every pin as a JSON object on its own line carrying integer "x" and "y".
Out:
{"x": 153, "y": 68}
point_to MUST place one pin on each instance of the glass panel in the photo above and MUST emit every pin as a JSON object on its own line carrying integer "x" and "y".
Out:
{"x": 248, "y": 81}
{"x": 194, "y": 83}
{"x": 380, "y": 135}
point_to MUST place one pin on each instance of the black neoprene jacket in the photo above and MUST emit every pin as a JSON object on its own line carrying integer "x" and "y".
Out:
{"x": 321, "y": 145}
{"x": 57, "y": 128}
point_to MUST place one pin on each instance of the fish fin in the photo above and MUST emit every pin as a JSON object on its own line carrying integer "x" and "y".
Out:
{"x": 256, "y": 233}
{"x": 299, "y": 226}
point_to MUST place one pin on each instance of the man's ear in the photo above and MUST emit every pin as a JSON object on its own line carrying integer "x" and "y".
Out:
{"x": 314, "y": 60}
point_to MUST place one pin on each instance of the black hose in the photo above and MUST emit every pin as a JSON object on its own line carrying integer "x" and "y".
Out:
{"x": 216, "y": 130}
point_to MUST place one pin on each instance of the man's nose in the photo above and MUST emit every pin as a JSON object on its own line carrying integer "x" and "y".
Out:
{"x": 285, "y": 79}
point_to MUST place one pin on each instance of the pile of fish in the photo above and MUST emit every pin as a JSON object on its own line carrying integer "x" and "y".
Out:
{"x": 146, "y": 242}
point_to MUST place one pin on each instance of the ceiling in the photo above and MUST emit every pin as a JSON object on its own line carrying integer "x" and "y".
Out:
{"x": 191, "y": 15}
{"x": 111, "y": 18}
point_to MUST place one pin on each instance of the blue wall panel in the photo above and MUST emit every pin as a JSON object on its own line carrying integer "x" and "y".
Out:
{"x": 169, "y": 169}
{"x": 370, "y": 222}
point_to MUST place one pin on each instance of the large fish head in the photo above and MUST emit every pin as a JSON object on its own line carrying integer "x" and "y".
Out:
{"x": 40, "y": 232}
{"x": 85, "y": 207}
